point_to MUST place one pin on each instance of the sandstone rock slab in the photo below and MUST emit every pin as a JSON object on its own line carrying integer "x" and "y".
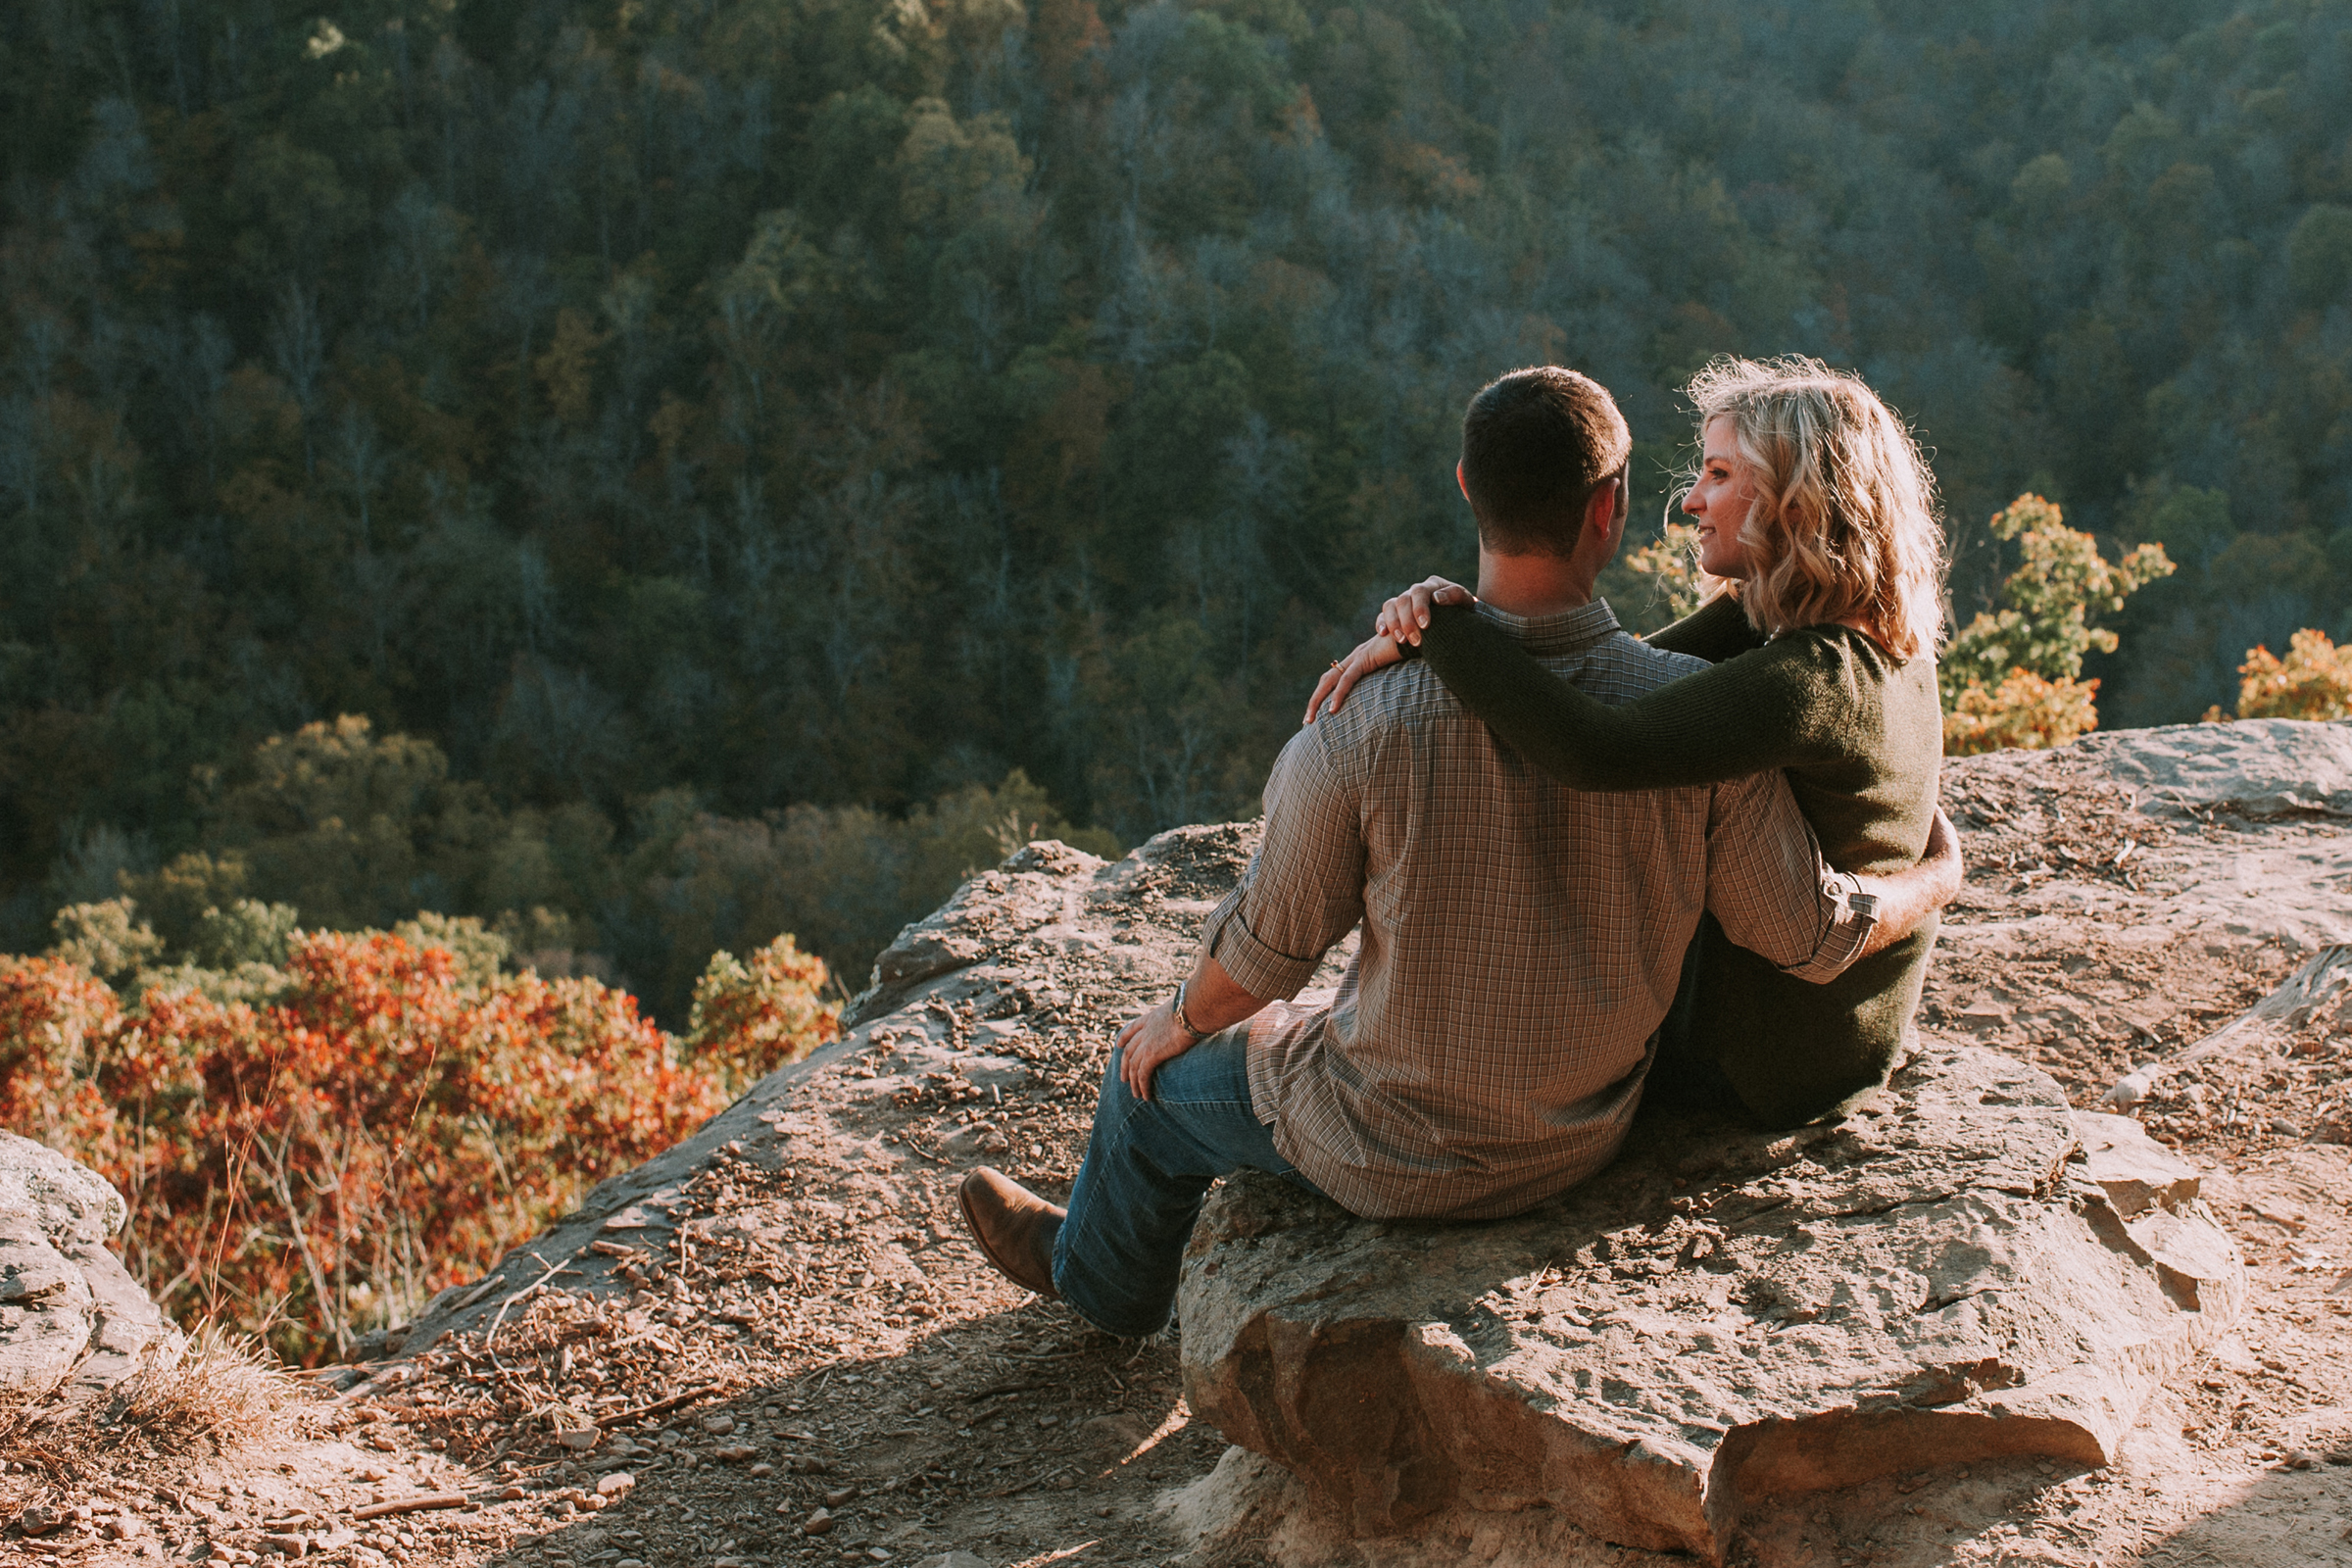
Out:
{"x": 1722, "y": 1319}
{"x": 68, "y": 1307}
{"x": 2256, "y": 768}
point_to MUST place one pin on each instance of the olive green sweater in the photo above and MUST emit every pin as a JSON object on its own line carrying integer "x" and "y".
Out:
{"x": 1860, "y": 735}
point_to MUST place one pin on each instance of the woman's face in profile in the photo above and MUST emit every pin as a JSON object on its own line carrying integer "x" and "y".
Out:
{"x": 1719, "y": 502}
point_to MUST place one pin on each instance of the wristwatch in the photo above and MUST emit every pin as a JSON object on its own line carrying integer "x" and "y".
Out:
{"x": 1176, "y": 1011}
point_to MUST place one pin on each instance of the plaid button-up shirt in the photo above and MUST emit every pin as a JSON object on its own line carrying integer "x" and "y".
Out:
{"x": 1521, "y": 940}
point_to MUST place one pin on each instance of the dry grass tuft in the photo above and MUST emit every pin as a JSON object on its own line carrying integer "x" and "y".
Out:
{"x": 227, "y": 1389}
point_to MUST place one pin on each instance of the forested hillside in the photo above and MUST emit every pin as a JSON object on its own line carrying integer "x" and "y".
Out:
{"x": 709, "y": 429}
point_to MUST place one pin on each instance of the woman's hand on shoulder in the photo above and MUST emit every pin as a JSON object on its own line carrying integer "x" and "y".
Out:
{"x": 1403, "y": 616}
{"x": 1373, "y": 652}
{"x": 1400, "y": 621}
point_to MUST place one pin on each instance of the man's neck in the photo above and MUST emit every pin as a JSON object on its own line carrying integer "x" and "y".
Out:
{"x": 1532, "y": 585}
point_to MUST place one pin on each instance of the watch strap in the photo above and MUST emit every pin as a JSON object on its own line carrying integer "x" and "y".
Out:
{"x": 1176, "y": 1008}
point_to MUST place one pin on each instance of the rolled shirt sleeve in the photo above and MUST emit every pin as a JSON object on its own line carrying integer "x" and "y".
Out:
{"x": 1770, "y": 887}
{"x": 1304, "y": 887}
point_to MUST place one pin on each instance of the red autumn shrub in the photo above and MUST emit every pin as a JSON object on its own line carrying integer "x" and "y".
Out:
{"x": 56, "y": 1019}
{"x": 383, "y": 1127}
{"x": 2024, "y": 711}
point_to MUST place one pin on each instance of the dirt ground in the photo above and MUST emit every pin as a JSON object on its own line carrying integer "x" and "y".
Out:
{"x": 803, "y": 1362}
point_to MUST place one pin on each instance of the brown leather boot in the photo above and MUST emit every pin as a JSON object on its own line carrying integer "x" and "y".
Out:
{"x": 1015, "y": 1228}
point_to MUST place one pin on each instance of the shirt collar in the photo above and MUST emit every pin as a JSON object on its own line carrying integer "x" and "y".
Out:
{"x": 1561, "y": 633}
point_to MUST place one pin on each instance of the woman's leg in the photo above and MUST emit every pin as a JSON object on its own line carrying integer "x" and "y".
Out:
{"x": 1148, "y": 1167}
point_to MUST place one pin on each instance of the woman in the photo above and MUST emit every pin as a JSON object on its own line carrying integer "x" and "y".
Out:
{"x": 1820, "y": 551}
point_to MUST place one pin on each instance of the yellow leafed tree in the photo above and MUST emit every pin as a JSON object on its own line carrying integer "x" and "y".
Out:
{"x": 2012, "y": 677}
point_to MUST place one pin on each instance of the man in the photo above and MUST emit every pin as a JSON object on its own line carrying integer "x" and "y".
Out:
{"x": 1521, "y": 942}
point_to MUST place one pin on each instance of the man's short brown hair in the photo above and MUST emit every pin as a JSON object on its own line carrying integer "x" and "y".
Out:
{"x": 1535, "y": 444}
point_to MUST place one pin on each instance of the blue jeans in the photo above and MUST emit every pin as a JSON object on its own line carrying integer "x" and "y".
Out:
{"x": 1148, "y": 1167}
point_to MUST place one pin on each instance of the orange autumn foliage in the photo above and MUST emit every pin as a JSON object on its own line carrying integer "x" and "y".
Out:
{"x": 2313, "y": 681}
{"x": 387, "y": 1125}
{"x": 2024, "y": 711}
{"x": 57, "y": 1021}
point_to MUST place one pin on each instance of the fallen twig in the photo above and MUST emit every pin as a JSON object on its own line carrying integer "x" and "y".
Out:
{"x": 33, "y": 1454}
{"x": 1033, "y": 1481}
{"x": 477, "y": 1293}
{"x": 431, "y": 1499}
{"x": 659, "y": 1407}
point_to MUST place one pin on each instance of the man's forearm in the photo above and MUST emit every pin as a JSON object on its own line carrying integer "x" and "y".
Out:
{"x": 1908, "y": 897}
{"x": 1212, "y": 1001}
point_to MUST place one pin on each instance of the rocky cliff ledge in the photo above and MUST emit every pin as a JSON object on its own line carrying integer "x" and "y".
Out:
{"x": 1723, "y": 1323}
{"x": 1968, "y": 1291}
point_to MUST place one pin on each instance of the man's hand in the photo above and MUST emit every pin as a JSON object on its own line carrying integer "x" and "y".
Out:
{"x": 1402, "y": 620}
{"x": 1907, "y": 897}
{"x": 1156, "y": 1039}
{"x": 1147, "y": 1042}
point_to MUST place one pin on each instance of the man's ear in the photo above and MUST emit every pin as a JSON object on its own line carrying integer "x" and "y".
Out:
{"x": 1604, "y": 512}
{"x": 1460, "y": 480}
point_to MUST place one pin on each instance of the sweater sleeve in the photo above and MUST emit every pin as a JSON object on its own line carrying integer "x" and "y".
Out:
{"x": 1781, "y": 707}
{"x": 1715, "y": 631}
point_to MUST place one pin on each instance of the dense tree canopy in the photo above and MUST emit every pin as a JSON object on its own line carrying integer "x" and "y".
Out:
{"x": 677, "y": 412}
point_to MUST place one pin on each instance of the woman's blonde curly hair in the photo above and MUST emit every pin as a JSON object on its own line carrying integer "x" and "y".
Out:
{"x": 1845, "y": 527}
